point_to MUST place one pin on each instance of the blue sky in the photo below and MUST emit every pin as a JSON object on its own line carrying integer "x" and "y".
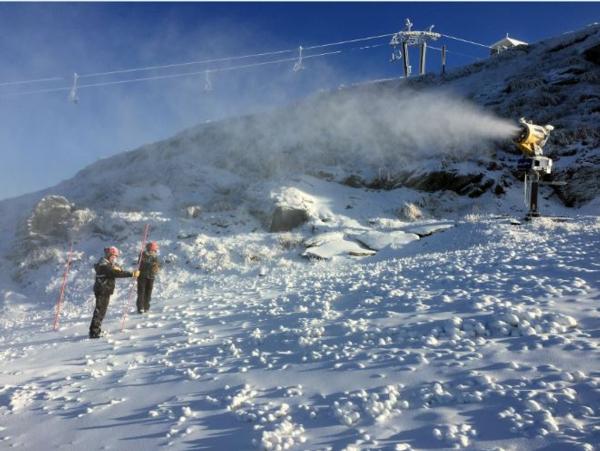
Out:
{"x": 45, "y": 139}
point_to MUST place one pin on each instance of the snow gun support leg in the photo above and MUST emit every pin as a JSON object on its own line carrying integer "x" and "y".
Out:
{"x": 532, "y": 181}
{"x": 531, "y": 139}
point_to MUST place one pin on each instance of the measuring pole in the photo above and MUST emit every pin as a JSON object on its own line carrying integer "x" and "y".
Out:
{"x": 62, "y": 288}
{"x": 146, "y": 228}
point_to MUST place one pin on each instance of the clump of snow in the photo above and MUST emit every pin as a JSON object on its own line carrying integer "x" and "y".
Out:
{"x": 311, "y": 332}
{"x": 455, "y": 435}
{"x": 284, "y": 436}
{"x": 346, "y": 412}
{"x": 382, "y": 406}
{"x": 241, "y": 399}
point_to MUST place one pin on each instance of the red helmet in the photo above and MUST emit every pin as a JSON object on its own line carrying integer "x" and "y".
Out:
{"x": 152, "y": 246}
{"x": 110, "y": 251}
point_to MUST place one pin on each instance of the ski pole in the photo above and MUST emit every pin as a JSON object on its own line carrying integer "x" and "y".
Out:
{"x": 62, "y": 288}
{"x": 146, "y": 228}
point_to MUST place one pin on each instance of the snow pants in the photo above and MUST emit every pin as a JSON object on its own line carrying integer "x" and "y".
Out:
{"x": 144, "y": 293}
{"x": 102, "y": 301}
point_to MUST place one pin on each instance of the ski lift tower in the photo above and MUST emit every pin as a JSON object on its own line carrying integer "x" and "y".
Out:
{"x": 406, "y": 38}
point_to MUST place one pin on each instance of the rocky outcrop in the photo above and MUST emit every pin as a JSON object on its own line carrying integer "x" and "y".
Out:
{"x": 410, "y": 212}
{"x": 583, "y": 183}
{"x": 53, "y": 222}
{"x": 50, "y": 217}
{"x": 192, "y": 212}
{"x": 53, "y": 219}
{"x": 593, "y": 54}
{"x": 287, "y": 218}
{"x": 473, "y": 185}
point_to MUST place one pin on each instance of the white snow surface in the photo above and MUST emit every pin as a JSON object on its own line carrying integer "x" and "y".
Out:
{"x": 483, "y": 335}
{"x": 464, "y": 329}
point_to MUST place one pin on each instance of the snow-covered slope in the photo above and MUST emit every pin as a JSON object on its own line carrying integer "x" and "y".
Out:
{"x": 408, "y": 310}
{"x": 483, "y": 336}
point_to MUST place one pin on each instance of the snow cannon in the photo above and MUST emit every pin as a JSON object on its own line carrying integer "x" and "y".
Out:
{"x": 531, "y": 140}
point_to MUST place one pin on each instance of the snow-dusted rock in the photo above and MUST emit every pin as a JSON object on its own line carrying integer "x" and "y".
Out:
{"x": 410, "y": 212}
{"x": 339, "y": 247}
{"x": 376, "y": 240}
{"x": 286, "y": 218}
{"x": 428, "y": 229}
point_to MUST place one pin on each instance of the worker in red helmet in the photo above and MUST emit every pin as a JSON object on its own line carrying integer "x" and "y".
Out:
{"x": 107, "y": 271}
{"x": 149, "y": 267}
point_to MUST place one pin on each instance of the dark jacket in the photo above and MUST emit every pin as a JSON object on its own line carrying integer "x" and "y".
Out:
{"x": 149, "y": 265}
{"x": 106, "y": 272}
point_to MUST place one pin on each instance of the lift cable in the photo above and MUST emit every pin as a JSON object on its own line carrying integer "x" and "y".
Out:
{"x": 208, "y": 61}
{"x": 465, "y": 40}
{"x": 189, "y": 63}
{"x": 454, "y": 52}
{"x": 162, "y": 77}
{"x": 350, "y": 41}
{"x": 25, "y": 82}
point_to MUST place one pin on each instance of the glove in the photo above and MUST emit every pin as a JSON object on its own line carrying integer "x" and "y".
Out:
{"x": 136, "y": 273}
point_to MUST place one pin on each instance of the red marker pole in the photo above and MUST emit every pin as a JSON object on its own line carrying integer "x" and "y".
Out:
{"x": 62, "y": 288}
{"x": 146, "y": 228}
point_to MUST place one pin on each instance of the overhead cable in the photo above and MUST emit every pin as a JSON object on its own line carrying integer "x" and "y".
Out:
{"x": 465, "y": 40}
{"x": 350, "y": 41}
{"x": 24, "y": 82}
{"x": 453, "y": 52}
{"x": 163, "y": 77}
{"x": 218, "y": 60}
{"x": 206, "y": 61}
{"x": 189, "y": 63}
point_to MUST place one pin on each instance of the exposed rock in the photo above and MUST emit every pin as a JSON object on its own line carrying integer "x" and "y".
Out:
{"x": 522, "y": 84}
{"x": 50, "y": 217}
{"x": 429, "y": 229}
{"x": 287, "y": 218}
{"x": 575, "y": 38}
{"x": 479, "y": 190}
{"x": 193, "y": 211}
{"x": 583, "y": 185}
{"x": 53, "y": 222}
{"x": 384, "y": 183}
{"x": 55, "y": 219}
{"x": 354, "y": 181}
{"x": 464, "y": 184}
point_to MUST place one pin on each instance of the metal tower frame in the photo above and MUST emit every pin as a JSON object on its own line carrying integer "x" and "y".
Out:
{"x": 408, "y": 38}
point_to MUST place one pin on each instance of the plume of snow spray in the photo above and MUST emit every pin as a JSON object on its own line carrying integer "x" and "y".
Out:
{"x": 411, "y": 124}
{"x": 361, "y": 128}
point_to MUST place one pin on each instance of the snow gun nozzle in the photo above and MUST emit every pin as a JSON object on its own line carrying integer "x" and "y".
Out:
{"x": 531, "y": 138}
